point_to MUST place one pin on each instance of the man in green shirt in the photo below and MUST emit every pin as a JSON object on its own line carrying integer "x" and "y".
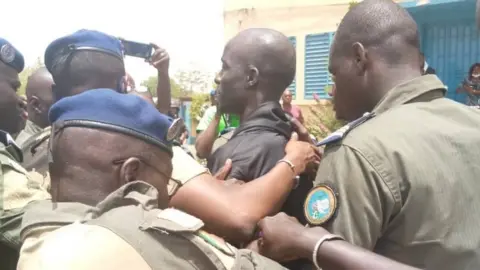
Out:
{"x": 213, "y": 127}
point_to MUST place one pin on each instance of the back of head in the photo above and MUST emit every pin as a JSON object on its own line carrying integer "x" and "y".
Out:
{"x": 85, "y": 60}
{"x": 375, "y": 48}
{"x": 264, "y": 58}
{"x": 39, "y": 96}
{"x": 381, "y": 26}
{"x": 103, "y": 139}
{"x": 273, "y": 54}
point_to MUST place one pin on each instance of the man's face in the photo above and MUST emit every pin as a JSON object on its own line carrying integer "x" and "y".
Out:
{"x": 12, "y": 108}
{"x": 349, "y": 85}
{"x": 287, "y": 97}
{"x": 41, "y": 100}
{"x": 231, "y": 81}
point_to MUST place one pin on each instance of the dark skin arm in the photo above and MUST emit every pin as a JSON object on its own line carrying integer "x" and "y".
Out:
{"x": 283, "y": 237}
{"x": 232, "y": 211}
{"x": 161, "y": 61}
{"x": 205, "y": 140}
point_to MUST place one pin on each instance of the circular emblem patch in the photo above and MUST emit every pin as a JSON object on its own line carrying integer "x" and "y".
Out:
{"x": 7, "y": 53}
{"x": 320, "y": 205}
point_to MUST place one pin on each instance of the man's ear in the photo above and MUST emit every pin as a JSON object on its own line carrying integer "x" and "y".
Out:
{"x": 252, "y": 77}
{"x": 130, "y": 170}
{"x": 35, "y": 104}
{"x": 360, "y": 55}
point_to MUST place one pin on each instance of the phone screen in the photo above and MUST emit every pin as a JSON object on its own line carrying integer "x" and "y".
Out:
{"x": 137, "y": 49}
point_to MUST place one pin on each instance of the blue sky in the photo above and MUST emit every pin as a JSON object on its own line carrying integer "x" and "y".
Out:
{"x": 191, "y": 30}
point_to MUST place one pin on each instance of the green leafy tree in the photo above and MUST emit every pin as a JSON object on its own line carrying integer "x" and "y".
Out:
{"x": 23, "y": 76}
{"x": 198, "y": 101}
{"x": 151, "y": 84}
{"x": 322, "y": 120}
{"x": 193, "y": 80}
{"x": 352, "y": 4}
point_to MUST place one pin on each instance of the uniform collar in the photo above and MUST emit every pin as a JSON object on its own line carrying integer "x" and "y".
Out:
{"x": 424, "y": 88}
{"x": 32, "y": 128}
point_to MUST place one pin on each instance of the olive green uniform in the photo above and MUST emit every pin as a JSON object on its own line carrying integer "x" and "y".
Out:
{"x": 126, "y": 227}
{"x": 29, "y": 130}
{"x": 405, "y": 183}
{"x": 17, "y": 189}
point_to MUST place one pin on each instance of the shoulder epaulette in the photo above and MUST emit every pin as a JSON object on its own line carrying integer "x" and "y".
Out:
{"x": 340, "y": 133}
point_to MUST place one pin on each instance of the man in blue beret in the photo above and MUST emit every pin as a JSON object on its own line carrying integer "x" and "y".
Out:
{"x": 111, "y": 162}
{"x": 83, "y": 61}
{"x": 12, "y": 109}
{"x": 17, "y": 187}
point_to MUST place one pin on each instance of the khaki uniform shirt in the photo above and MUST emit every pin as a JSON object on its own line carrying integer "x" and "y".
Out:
{"x": 185, "y": 168}
{"x": 17, "y": 189}
{"x": 29, "y": 130}
{"x": 407, "y": 181}
{"x": 164, "y": 237}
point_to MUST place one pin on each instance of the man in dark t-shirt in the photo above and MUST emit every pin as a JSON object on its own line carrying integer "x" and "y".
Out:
{"x": 258, "y": 64}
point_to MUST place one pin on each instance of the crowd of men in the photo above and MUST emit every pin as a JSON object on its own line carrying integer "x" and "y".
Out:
{"x": 92, "y": 176}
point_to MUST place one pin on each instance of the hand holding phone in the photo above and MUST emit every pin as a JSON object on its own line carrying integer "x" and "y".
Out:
{"x": 137, "y": 49}
{"x": 160, "y": 58}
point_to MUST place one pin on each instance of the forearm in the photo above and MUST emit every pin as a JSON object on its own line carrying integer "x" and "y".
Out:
{"x": 205, "y": 140}
{"x": 338, "y": 254}
{"x": 247, "y": 204}
{"x": 163, "y": 92}
{"x": 233, "y": 211}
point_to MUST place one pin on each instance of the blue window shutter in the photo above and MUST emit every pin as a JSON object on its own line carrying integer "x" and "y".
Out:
{"x": 293, "y": 86}
{"x": 317, "y": 77}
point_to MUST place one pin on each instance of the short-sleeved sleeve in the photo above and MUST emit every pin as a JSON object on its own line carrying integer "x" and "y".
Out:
{"x": 185, "y": 168}
{"x": 365, "y": 203}
{"x": 207, "y": 118}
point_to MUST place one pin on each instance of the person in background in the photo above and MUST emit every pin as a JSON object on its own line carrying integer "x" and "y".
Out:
{"x": 39, "y": 100}
{"x": 291, "y": 109}
{"x": 129, "y": 83}
{"x": 37, "y": 129}
{"x": 471, "y": 85}
{"x": 214, "y": 126}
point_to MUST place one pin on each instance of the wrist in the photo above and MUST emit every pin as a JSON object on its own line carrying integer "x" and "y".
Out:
{"x": 295, "y": 162}
{"x": 304, "y": 243}
{"x": 162, "y": 71}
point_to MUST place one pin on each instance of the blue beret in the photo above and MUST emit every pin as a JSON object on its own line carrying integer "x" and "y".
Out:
{"x": 213, "y": 92}
{"x": 11, "y": 56}
{"x": 83, "y": 40}
{"x": 110, "y": 110}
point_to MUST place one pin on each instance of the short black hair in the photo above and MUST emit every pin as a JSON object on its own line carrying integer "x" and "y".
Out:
{"x": 85, "y": 68}
{"x": 380, "y": 24}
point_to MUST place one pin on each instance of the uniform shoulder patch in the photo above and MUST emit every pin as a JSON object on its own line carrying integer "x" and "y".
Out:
{"x": 340, "y": 133}
{"x": 181, "y": 218}
{"x": 320, "y": 205}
